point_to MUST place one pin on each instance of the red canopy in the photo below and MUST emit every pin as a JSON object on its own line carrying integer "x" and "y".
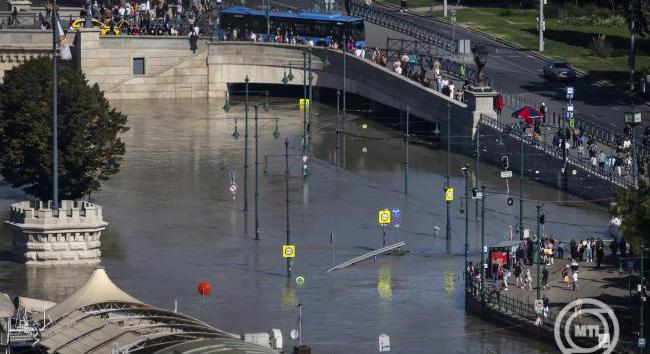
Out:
{"x": 528, "y": 113}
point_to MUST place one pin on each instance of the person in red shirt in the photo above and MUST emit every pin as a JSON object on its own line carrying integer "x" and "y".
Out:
{"x": 498, "y": 104}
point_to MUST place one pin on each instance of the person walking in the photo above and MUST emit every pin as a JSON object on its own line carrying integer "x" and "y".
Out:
{"x": 518, "y": 279}
{"x": 545, "y": 278}
{"x": 495, "y": 272}
{"x": 575, "y": 281}
{"x": 506, "y": 275}
{"x": 403, "y": 7}
{"x": 529, "y": 280}
{"x": 193, "y": 38}
{"x": 565, "y": 276}
{"x": 600, "y": 251}
{"x": 588, "y": 251}
{"x": 547, "y": 306}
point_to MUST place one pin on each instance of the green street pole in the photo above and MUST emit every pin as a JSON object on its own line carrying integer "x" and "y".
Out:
{"x": 536, "y": 253}
{"x": 257, "y": 188}
{"x": 286, "y": 184}
{"x": 466, "y": 174}
{"x": 521, "y": 186}
{"x": 304, "y": 107}
{"x": 246, "y": 148}
{"x": 478, "y": 163}
{"x": 55, "y": 129}
{"x": 338, "y": 126}
{"x": 310, "y": 103}
{"x": 483, "y": 248}
{"x": 448, "y": 202}
{"x": 641, "y": 309}
{"x": 345, "y": 91}
{"x": 406, "y": 161}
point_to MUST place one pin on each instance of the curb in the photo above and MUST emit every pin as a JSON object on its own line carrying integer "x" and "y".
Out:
{"x": 580, "y": 73}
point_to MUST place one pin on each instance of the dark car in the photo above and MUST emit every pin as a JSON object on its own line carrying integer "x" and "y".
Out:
{"x": 559, "y": 70}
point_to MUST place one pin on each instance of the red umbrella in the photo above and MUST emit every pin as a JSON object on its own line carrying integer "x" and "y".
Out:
{"x": 528, "y": 114}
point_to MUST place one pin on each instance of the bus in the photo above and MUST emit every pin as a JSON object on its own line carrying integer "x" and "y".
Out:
{"x": 321, "y": 28}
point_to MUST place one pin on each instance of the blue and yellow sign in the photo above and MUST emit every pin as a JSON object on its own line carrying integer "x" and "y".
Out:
{"x": 384, "y": 217}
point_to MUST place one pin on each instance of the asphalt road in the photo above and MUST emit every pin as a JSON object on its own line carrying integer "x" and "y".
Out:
{"x": 514, "y": 71}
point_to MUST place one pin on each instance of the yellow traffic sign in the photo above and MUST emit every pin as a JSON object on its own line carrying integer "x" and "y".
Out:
{"x": 449, "y": 194}
{"x": 384, "y": 217}
{"x": 304, "y": 103}
{"x": 288, "y": 251}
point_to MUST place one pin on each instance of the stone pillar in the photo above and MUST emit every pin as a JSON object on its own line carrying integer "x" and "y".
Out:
{"x": 68, "y": 235}
{"x": 480, "y": 100}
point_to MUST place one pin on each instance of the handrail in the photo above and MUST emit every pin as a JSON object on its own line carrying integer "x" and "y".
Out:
{"x": 553, "y": 151}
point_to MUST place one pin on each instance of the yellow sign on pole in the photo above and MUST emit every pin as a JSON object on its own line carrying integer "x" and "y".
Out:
{"x": 449, "y": 194}
{"x": 384, "y": 217}
{"x": 288, "y": 251}
{"x": 304, "y": 103}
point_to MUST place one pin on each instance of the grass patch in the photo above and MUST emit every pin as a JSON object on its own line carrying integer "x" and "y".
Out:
{"x": 563, "y": 39}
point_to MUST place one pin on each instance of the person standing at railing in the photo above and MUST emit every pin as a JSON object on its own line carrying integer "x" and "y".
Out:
{"x": 403, "y": 7}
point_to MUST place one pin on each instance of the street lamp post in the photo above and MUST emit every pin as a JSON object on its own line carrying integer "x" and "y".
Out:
{"x": 286, "y": 184}
{"x": 478, "y": 164}
{"x": 305, "y": 105}
{"x": 55, "y": 94}
{"x": 483, "y": 265}
{"x": 406, "y": 161}
{"x": 345, "y": 92}
{"x": 537, "y": 249}
{"x": 448, "y": 202}
{"x": 246, "y": 80}
{"x": 466, "y": 175}
{"x": 521, "y": 183}
{"x": 257, "y": 189}
{"x": 310, "y": 101}
{"x": 338, "y": 126}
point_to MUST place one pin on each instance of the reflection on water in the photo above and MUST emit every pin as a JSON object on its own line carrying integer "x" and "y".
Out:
{"x": 384, "y": 281}
{"x": 173, "y": 222}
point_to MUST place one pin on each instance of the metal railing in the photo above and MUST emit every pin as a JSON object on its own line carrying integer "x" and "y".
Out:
{"x": 385, "y": 18}
{"x": 514, "y": 131}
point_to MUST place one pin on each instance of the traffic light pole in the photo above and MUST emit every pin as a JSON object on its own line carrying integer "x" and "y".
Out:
{"x": 466, "y": 218}
{"x": 482, "y": 248}
{"x": 286, "y": 184}
{"x": 448, "y": 202}
{"x": 246, "y": 148}
{"x": 536, "y": 253}
{"x": 257, "y": 187}
{"x": 478, "y": 163}
{"x": 406, "y": 161}
{"x": 521, "y": 185}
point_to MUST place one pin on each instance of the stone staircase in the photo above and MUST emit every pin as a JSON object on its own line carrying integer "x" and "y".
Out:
{"x": 186, "y": 78}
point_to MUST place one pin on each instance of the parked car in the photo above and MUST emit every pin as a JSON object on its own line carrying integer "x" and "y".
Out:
{"x": 559, "y": 70}
{"x": 104, "y": 29}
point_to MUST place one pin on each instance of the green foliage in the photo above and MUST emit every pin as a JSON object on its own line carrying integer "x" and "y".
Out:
{"x": 89, "y": 146}
{"x": 633, "y": 208}
{"x": 600, "y": 47}
{"x": 639, "y": 10}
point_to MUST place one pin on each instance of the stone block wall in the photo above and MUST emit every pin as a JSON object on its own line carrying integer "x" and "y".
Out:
{"x": 67, "y": 235}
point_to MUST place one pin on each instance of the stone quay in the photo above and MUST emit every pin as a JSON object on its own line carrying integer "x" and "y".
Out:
{"x": 43, "y": 235}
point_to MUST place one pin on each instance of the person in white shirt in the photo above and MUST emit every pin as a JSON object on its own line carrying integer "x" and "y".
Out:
{"x": 360, "y": 52}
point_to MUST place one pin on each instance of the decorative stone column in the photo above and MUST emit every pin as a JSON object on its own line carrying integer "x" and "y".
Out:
{"x": 46, "y": 236}
{"x": 480, "y": 100}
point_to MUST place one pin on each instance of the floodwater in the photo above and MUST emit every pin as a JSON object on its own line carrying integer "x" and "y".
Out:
{"x": 174, "y": 223}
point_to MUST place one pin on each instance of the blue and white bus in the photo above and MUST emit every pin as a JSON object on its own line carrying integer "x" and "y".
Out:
{"x": 321, "y": 28}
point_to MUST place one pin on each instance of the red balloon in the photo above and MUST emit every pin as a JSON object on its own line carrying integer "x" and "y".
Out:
{"x": 204, "y": 288}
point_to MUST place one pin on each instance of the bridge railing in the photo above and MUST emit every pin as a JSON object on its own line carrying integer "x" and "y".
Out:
{"x": 514, "y": 131}
{"x": 385, "y": 18}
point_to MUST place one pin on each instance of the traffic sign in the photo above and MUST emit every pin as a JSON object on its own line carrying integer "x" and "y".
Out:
{"x": 539, "y": 306}
{"x": 289, "y": 251}
{"x": 641, "y": 343}
{"x": 449, "y": 194}
{"x": 506, "y": 174}
{"x": 630, "y": 265}
{"x": 384, "y": 217}
{"x": 395, "y": 212}
{"x": 397, "y": 221}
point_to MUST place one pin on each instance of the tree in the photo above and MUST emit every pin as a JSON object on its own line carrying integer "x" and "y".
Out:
{"x": 639, "y": 10}
{"x": 89, "y": 146}
{"x": 633, "y": 208}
